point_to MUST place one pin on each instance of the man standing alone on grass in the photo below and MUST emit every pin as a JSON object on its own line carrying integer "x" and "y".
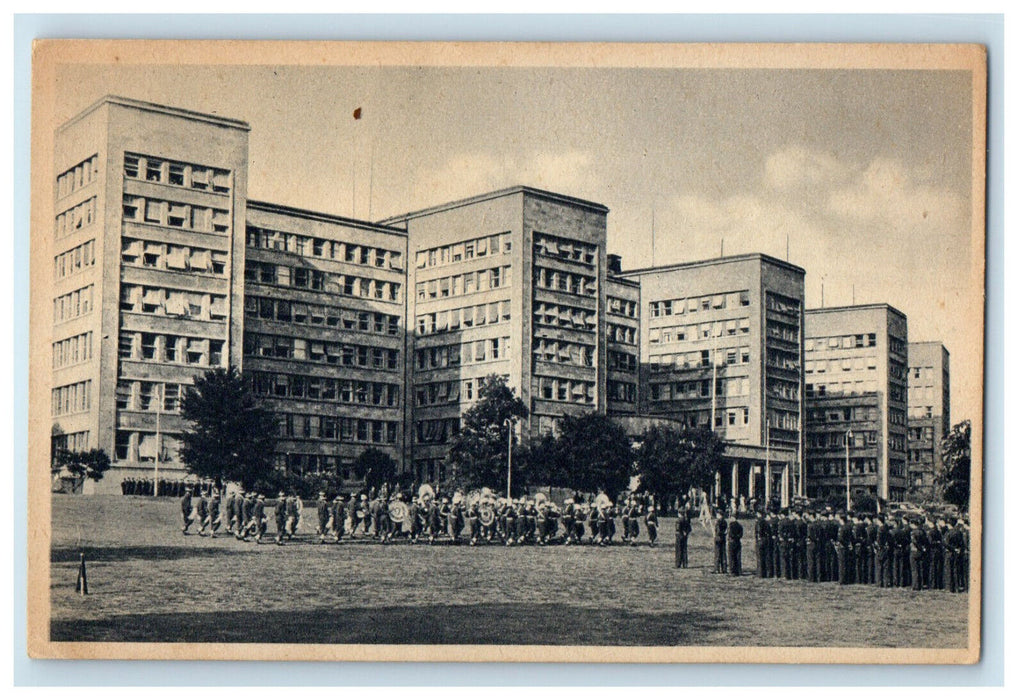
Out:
{"x": 719, "y": 527}
{"x": 735, "y": 533}
{"x": 683, "y": 530}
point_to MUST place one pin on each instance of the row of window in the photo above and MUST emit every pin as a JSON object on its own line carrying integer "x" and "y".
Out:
{"x": 621, "y": 307}
{"x": 926, "y": 374}
{"x": 785, "y": 420}
{"x": 920, "y": 412}
{"x": 690, "y": 305}
{"x": 352, "y": 253}
{"x": 78, "y": 176}
{"x": 567, "y": 390}
{"x": 343, "y": 391}
{"x": 921, "y": 456}
{"x": 156, "y": 397}
{"x": 843, "y": 364}
{"x": 838, "y": 467}
{"x": 786, "y": 332}
{"x": 568, "y": 282}
{"x": 700, "y": 389}
{"x": 700, "y": 358}
{"x": 837, "y": 439}
{"x": 562, "y": 352}
{"x": 782, "y": 305}
{"x": 620, "y": 334}
{"x": 789, "y": 391}
{"x": 341, "y": 354}
{"x": 141, "y": 446}
{"x": 466, "y": 283}
{"x": 75, "y": 218}
{"x": 299, "y": 463}
{"x": 158, "y": 301}
{"x": 622, "y": 361}
{"x": 547, "y": 245}
{"x": 188, "y": 217}
{"x": 834, "y": 342}
{"x": 317, "y": 315}
{"x": 173, "y": 349}
{"x": 699, "y": 331}
{"x": 72, "y": 442}
{"x": 780, "y": 359}
{"x": 75, "y": 260}
{"x": 458, "y": 354}
{"x": 177, "y": 173}
{"x": 464, "y": 317}
{"x": 298, "y": 426}
{"x": 320, "y": 281}
{"x": 73, "y": 350}
{"x": 498, "y": 244}
{"x": 441, "y": 393}
{"x": 625, "y": 392}
{"x": 73, "y": 304}
{"x": 179, "y": 258}
{"x": 844, "y": 414}
{"x": 898, "y": 346}
{"x": 71, "y": 398}
{"x": 853, "y": 388}
{"x": 561, "y": 316}
{"x": 435, "y": 431}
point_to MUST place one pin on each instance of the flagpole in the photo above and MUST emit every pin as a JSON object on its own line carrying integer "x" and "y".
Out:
{"x": 156, "y": 457}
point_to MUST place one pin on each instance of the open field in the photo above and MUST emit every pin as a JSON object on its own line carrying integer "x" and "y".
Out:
{"x": 147, "y": 582}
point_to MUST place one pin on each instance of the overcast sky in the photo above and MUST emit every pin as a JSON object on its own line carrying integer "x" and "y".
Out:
{"x": 867, "y": 172}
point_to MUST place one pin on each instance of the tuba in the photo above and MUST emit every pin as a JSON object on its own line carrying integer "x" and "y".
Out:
{"x": 398, "y": 511}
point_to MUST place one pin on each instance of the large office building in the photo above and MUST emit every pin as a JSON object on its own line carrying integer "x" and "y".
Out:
{"x": 149, "y": 206}
{"x": 721, "y": 348}
{"x": 856, "y": 363}
{"x": 510, "y": 283}
{"x": 928, "y": 415}
{"x": 622, "y": 334}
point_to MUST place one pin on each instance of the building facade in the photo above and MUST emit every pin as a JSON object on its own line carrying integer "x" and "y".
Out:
{"x": 149, "y": 209}
{"x": 622, "y": 334}
{"x": 324, "y": 341}
{"x": 721, "y": 348}
{"x": 510, "y": 283}
{"x": 856, "y": 363}
{"x": 928, "y": 415}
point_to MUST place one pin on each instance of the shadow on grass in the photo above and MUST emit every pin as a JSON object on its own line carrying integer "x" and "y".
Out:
{"x": 63, "y": 555}
{"x": 519, "y": 623}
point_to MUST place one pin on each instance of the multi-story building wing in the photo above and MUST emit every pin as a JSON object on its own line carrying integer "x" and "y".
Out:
{"x": 856, "y": 361}
{"x": 508, "y": 283}
{"x": 928, "y": 414}
{"x": 148, "y": 204}
{"x": 324, "y": 334}
{"x": 722, "y": 338}
{"x": 622, "y": 327}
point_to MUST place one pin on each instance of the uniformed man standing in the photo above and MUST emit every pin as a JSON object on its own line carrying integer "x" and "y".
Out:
{"x": 323, "y": 516}
{"x": 734, "y": 533}
{"x": 918, "y": 556}
{"x": 845, "y": 550}
{"x": 871, "y": 534}
{"x": 280, "y": 518}
{"x": 759, "y": 540}
{"x": 800, "y": 546}
{"x": 651, "y": 522}
{"x": 814, "y": 548}
{"x": 901, "y": 553}
{"x": 683, "y": 530}
{"x": 337, "y": 518}
{"x": 786, "y": 537}
{"x": 186, "y": 506}
{"x": 720, "y": 528}
{"x": 884, "y": 555}
{"x": 215, "y": 512}
{"x": 259, "y": 518}
{"x": 860, "y": 535}
{"x": 293, "y": 513}
{"x": 202, "y": 513}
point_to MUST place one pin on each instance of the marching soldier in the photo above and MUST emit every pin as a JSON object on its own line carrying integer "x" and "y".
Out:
{"x": 202, "y": 513}
{"x": 214, "y": 511}
{"x": 280, "y": 518}
{"x": 651, "y": 521}
{"x": 337, "y": 518}
{"x": 720, "y": 528}
{"x": 323, "y": 516}
{"x": 186, "y": 505}
{"x": 735, "y": 533}
{"x": 592, "y": 522}
{"x": 293, "y": 514}
{"x": 683, "y": 530}
{"x": 259, "y": 518}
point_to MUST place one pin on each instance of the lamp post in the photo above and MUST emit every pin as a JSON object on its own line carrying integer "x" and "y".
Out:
{"x": 509, "y": 423}
{"x": 847, "y": 470}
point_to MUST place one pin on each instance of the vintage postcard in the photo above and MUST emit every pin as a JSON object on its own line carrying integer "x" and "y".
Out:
{"x": 507, "y": 352}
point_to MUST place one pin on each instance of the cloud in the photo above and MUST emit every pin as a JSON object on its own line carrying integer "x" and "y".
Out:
{"x": 796, "y": 168}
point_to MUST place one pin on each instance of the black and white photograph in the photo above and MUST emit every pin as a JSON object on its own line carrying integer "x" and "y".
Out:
{"x": 506, "y": 352}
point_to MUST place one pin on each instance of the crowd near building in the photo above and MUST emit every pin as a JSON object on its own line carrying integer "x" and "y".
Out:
{"x": 361, "y": 334}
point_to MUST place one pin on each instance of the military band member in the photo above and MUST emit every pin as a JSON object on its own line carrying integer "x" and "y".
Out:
{"x": 365, "y": 514}
{"x": 735, "y": 532}
{"x": 202, "y": 514}
{"x": 433, "y": 521}
{"x": 884, "y": 555}
{"x": 259, "y": 518}
{"x": 901, "y": 553}
{"x": 473, "y": 516}
{"x": 280, "y": 518}
{"x": 651, "y": 522}
{"x": 186, "y": 506}
{"x": 351, "y": 520}
{"x": 337, "y": 518}
{"x": 860, "y": 540}
{"x": 719, "y": 529}
{"x": 845, "y": 550}
{"x": 455, "y": 521}
{"x": 580, "y": 522}
{"x": 323, "y": 516}
{"x": 800, "y": 546}
{"x": 592, "y": 522}
{"x": 953, "y": 543}
{"x": 814, "y": 549}
{"x": 293, "y": 514}
{"x": 919, "y": 556}
{"x": 683, "y": 530}
{"x": 776, "y": 555}
{"x": 786, "y": 543}
{"x": 871, "y": 534}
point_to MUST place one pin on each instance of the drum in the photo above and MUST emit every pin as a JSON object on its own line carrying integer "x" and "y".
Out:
{"x": 398, "y": 511}
{"x": 487, "y": 514}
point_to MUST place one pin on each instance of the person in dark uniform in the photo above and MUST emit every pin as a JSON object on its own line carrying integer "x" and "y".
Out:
{"x": 787, "y": 535}
{"x": 259, "y": 518}
{"x": 964, "y": 560}
{"x": 953, "y": 543}
{"x": 814, "y": 548}
{"x": 759, "y": 541}
{"x": 860, "y": 538}
{"x": 871, "y": 533}
{"x": 229, "y": 513}
{"x": 800, "y": 546}
{"x": 293, "y": 512}
{"x": 719, "y": 528}
{"x": 323, "y": 516}
{"x": 214, "y": 510}
{"x": 683, "y": 530}
{"x": 919, "y": 556}
{"x": 651, "y": 522}
{"x": 884, "y": 555}
{"x": 337, "y": 518}
{"x": 202, "y": 513}
{"x": 901, "y": 553}
{"x": 280, "y": 518}
{"x": 735, "y": 533}
{"x": 186, "y": 507}
{"x": 775, "y": 526}
{"x": 845, "y": 550}
{"x": 433, "y": 521}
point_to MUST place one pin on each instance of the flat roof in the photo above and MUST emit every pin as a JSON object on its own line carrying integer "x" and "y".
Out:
{"x": 158, "y": 108}
{"x": 476, "y": 199}
{"x": 322, "y": 217}
{"x": 856, "y": 307}
{"x": 712, "y": 261}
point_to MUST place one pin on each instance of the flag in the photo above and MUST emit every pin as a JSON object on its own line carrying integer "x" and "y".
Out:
{"x": 357, "y": 113}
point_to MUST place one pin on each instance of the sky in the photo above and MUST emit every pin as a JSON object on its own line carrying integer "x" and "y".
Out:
{"x": 860, "y": 177}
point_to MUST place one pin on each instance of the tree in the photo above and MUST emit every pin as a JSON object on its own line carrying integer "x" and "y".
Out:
{"x": 229, "y": 435}
{"x": 957, "y": 465}
{"x": 542, "y": 461}
{"x": 89, "y": 464}
{"x": 479, "y": 455}
{"x": 375, "y": 467}
{"x": 595, "y": 453}
{"x": 673, "y": 459}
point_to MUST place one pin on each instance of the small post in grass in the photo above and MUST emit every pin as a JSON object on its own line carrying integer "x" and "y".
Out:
{"x": 82, "y": 585}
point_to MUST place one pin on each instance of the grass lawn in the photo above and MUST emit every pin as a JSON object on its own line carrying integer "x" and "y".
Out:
{"x": 148, "y": 583}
